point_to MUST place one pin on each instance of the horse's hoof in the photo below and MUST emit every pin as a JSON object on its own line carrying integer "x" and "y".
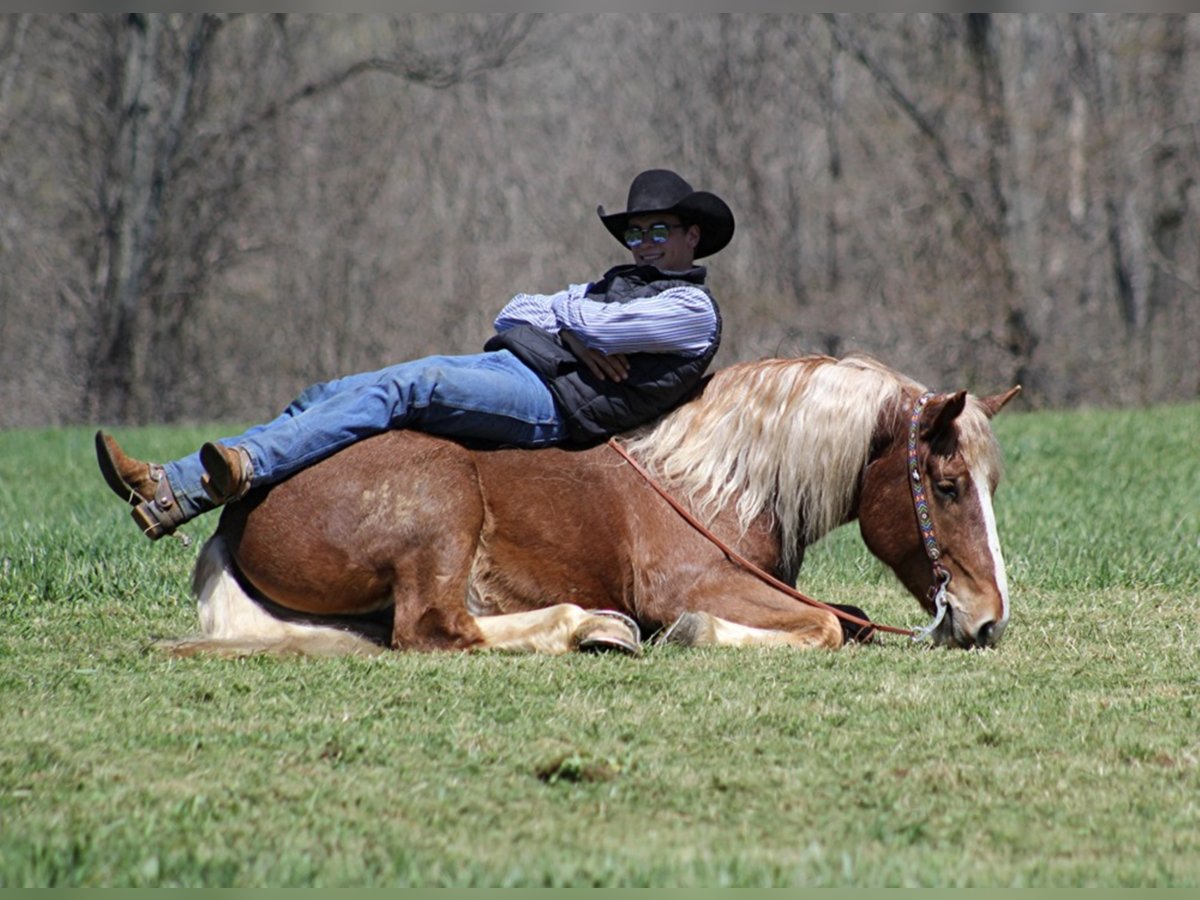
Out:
{"x": 691, "y": 629}
{"x": 852, "y": 632}
{"x": 606, "y": 631}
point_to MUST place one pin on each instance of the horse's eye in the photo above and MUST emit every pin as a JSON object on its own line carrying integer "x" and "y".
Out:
{"x": 947, "y": 489}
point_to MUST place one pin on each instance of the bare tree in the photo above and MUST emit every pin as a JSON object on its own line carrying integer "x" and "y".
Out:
{"x": 199, "y": 214}
{"x": 173, "y": 153}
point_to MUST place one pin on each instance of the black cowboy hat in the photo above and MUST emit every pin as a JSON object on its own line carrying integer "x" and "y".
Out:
{"x": 661, "y": 190}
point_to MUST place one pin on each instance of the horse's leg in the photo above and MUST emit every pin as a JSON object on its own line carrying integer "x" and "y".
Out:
{"x": 741, "y": 613}
{"x": 560, "y": 629}
{"x": 702, "y": 629}
{"x": 232, "y": 623}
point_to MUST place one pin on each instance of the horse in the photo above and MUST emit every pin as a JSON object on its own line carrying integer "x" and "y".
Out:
{"x": 408, "y": 541}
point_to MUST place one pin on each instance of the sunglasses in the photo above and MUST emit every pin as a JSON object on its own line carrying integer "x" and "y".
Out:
{"x": 658, "y": 233}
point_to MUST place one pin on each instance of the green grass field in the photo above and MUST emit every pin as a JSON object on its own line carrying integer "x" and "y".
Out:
{"x": 1069, "y": 756}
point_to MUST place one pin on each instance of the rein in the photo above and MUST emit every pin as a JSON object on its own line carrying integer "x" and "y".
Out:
{"x": 750, "y": 567}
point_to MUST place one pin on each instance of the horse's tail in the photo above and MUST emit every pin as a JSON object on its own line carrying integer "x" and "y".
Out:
{"x": 234, "y": 623}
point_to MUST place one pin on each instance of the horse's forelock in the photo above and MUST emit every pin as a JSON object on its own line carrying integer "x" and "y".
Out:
{"x": 977, "y": 441}
{"x": 788, "y": 437}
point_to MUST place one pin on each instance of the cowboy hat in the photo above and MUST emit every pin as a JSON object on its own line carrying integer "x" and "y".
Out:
{"x": 661, "y": 190}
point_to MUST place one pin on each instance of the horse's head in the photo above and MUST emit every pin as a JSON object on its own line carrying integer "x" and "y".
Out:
{"x": 958, "y": 464}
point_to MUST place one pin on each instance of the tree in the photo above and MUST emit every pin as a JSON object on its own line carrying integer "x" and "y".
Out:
{"x": 174, "y": 143}
{"x": 201, "y": 214}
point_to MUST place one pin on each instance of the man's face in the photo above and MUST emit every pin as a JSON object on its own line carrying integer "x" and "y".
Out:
{"x": 673, "y": 255}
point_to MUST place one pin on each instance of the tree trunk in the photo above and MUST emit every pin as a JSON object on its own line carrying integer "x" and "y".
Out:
{"x": 153, "y": 107}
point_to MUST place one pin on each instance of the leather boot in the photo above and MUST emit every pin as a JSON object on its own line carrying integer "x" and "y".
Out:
{"x": 143, "y": 485}
{"x": 228, "y": 472}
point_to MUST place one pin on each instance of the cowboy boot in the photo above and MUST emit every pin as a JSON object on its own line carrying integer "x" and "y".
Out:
{"x": 228, "y": 472}
{"x": 142, "y": 485}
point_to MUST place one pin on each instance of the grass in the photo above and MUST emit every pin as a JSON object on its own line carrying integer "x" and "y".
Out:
{"x": 1067, "y": 757}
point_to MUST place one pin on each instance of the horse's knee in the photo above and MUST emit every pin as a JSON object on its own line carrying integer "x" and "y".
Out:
{"x": 434, "y": 628}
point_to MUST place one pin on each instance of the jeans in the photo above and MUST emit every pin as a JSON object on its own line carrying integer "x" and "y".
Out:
{"x": 487, "y": 396}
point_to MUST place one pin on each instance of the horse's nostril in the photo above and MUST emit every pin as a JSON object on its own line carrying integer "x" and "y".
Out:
{"x": 986, "y": 635}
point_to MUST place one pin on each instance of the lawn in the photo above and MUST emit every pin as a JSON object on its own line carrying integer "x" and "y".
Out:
{"x": 1068, "y": 756}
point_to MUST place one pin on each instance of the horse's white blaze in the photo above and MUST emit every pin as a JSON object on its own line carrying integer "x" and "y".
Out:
{"x": 993, "y": 542}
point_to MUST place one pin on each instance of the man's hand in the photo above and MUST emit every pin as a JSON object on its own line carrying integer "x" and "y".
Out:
{"x": 615, "y": 367}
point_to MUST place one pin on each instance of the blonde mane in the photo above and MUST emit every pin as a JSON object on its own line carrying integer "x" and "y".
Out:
{"x": 788, "y": 437}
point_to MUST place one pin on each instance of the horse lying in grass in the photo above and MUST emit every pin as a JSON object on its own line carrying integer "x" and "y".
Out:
{"x": 410, "y": 541}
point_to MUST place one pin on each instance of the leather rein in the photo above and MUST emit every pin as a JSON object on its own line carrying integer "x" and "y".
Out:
{"x": 941, "y": 576}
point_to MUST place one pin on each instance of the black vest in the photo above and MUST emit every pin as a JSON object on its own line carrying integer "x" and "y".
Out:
{"x": 593, "y": 408}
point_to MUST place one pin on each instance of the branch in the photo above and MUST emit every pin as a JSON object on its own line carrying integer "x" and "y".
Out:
{"x": 962, "y": 187}
{"x": 13, "y": 52}
{"x": 493, "y": 48}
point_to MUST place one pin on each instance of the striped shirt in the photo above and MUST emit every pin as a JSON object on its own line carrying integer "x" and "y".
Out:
{"x": 679, "y": 320}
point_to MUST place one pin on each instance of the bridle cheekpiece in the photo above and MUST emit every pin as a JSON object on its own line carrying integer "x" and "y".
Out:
{"x": 941, "y": 575}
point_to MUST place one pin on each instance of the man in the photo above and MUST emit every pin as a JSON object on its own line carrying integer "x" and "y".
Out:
{"x": 572, "y": 367}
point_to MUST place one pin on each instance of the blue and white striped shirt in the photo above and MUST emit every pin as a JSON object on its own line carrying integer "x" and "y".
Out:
{"x": 679, "y": 320}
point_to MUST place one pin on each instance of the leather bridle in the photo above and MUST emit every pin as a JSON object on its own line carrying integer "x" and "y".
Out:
{"x": 941, "y": 575}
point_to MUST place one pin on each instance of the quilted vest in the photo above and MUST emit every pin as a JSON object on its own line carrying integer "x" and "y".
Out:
{"x": 593, "y": 408}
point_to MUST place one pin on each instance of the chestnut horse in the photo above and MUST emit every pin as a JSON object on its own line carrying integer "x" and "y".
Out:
{"x": 409, "y": 541}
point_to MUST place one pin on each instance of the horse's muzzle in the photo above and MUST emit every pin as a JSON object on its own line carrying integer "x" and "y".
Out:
{"x": 956, "y": 631}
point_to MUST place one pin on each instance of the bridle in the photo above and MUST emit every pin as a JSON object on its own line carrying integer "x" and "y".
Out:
{"x": 941, "y": 575}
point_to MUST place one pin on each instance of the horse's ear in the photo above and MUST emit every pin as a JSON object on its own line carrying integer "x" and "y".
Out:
{"x": 993, "y": 405}
{"x": 939, "y": 414}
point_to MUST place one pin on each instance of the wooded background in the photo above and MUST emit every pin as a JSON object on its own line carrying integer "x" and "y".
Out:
{"x": 202, "y": 214}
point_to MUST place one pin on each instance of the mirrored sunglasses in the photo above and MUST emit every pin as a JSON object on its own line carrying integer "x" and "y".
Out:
{"x": 658, "y": 233}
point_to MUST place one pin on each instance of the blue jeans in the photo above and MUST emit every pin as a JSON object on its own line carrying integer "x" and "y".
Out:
{"x": 487, "y": 396}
